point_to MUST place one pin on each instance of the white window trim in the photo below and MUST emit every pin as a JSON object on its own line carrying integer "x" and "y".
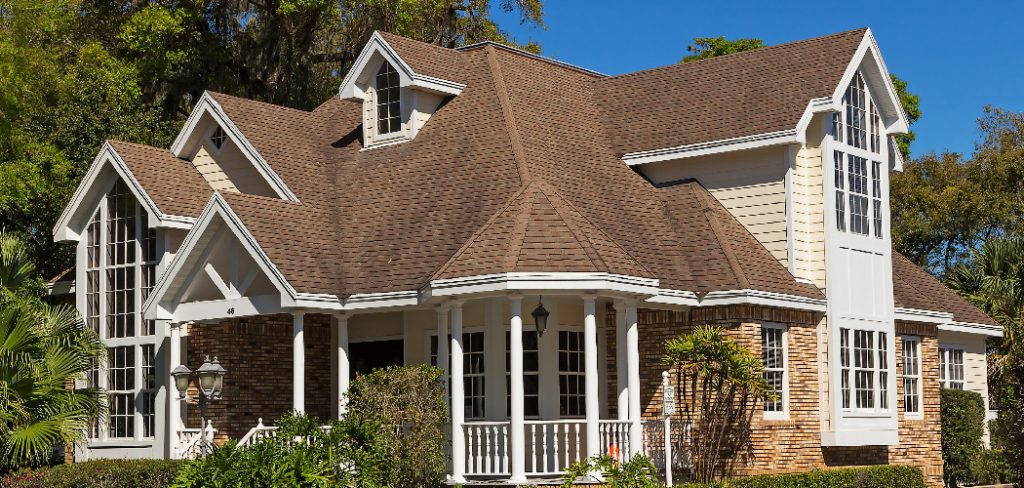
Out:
{"x": 378, "y": 136}
{"x": 558, "y": 368}
{"x": 919, "y": 414}
{"x": 951, "y": 347}
{"x": 876, "y": 370}
{"x": 784, "y": 413}
{"x": 428, "y": 357}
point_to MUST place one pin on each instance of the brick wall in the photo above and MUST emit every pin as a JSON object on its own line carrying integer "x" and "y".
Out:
{"x": 795, "y": 444}
{"x": 257, "y": 352}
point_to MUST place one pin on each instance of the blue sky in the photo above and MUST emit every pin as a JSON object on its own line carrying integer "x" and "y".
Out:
{"x": 957, "y": 56}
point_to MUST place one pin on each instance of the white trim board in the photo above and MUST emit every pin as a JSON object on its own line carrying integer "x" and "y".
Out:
{"x": 66, "y": 229}
{"x": 738, "y": 297}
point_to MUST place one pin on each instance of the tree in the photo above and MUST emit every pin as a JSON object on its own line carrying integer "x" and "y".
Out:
{"x": 719, "y": 383}
{"x": 42, "y": 350}
{"x": 709, "y": 47}
{"x": 944, "y": 206}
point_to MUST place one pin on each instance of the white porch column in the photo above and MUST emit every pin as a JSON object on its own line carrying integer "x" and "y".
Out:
{"x": 621, "y": 371}
{"x": 517, "y": 427}
{"x": 442, "y": 347}
{"x": 174, "y": 404}
{"x": 633, "y": 374}
{"x": 341, "y": 344}
{"x": 458, "y": 398}
{"x": 590, "y": 369}
{"x": 298, "y": 363}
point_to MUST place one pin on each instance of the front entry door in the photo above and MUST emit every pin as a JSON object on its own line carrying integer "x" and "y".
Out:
{"x": 368, "y": 356}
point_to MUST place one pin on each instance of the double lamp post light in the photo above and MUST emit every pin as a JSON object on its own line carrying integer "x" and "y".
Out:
{"x": 209, "y": 379}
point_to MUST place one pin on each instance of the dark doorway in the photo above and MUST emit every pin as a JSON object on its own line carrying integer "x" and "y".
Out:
{"x": 368, "y": 356}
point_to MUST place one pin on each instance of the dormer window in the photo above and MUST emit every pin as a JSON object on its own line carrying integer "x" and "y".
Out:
{"x": 389, "y": 105}
{"x": 218, "y": 137}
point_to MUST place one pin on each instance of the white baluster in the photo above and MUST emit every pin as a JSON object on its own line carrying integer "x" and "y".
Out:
{"x": 544, "y": 448}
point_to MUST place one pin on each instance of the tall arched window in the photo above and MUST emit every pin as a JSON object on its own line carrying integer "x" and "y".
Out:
{"x": 389, "y": 106}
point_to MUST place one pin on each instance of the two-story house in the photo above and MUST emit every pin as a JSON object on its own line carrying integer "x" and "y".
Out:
{"x": 446, "y": 194}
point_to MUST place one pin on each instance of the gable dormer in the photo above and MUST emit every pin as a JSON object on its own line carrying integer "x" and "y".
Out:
{"x": 397, "y": 100}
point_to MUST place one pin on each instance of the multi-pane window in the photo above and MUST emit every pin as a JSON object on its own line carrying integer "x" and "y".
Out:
{"x": 571, "y": 376}
{"x": 472, "y": 371}
{"x": 865, "y": 378}
{"x": 121, "y": 392}
{"x": 876, "y": 197}
{"x": 531, "y": 378}
{"x": 876, "y": 137}
{"x": 773, "y": 355}
{"x": 911, "y": 376}
{"x": 837, "y": 127}
{"x": 389, "y": 107}
{"x": 857, "y": 175}
{"x": 951, "y": 368}
{"x": 856, "y": 113}
{"x": 147, "y": 398}
{"x": 218, "y": 137}
{"x": 92, "y": 275}
{"x": 147, "y": 242}
{"x": 840, "y": 183}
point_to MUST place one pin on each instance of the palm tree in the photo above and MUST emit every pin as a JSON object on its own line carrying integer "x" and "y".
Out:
{"x": 993, "y": 279}
{"x": 43, "y": 349}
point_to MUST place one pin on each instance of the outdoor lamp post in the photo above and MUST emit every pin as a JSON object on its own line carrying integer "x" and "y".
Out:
{"x": 209, "y": 378}
{"x": 540, "y": 316}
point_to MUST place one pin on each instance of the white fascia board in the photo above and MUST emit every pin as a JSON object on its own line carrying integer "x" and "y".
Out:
{"x": 63, "y": 230}
{"x": 207, "y": 105}
{"x": 350, "y": 91}
{"x": 153, "y": 308}
{"x": 868, "y": 45}
{"x": 788, "y": 136}
{"x": 971, "y": 328}
{"x": 860, "y": 437}
{"x": 522, "y": 281}
{"x": 738, "y": 297}
{"x": 917, "y": 315}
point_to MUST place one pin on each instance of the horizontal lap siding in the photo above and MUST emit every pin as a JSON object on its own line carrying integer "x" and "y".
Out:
{"x": 808, "y": 216}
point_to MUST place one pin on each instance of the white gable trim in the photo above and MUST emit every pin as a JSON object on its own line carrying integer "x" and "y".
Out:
{"x": 869, "y": 46}
{"x": 918, "y": 315}
{"x": 63, "y": 230}
{"x": 156, "y": 308}
{"x": 207, "y": 105}
{"x": 408, "y": 77}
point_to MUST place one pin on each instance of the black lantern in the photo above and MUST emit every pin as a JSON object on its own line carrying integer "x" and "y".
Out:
{"x": 181, "y": 375}
{"x": 540, "y": 317}
{"x": 211, "y": 378}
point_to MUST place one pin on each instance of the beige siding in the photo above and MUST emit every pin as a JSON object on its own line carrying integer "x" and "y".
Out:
{"x": 975, "y": 362}
{"x": 808, "y": 212}
{"x": 750, "y": 184}
{"x": 212, "y": 172}
{"x": 229, "y": 169}
{"x": 425, "y": 105}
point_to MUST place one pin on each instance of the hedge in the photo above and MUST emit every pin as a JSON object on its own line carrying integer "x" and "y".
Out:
{"x": 106, "y": 473}
{"x": 890, "y": 476}
{"x": 963, "y": 424}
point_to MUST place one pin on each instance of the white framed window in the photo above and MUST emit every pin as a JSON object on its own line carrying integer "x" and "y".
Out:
{"x": 857, "y": 175}
{"x": 531, "y": 376}
{"x": 218, "y": 137}
{"x": 951, "y": 367}
{"x": 856, "y": 101}
{"x": 911, "y": 347}
{"x": 147, "y": 397}
{"x": 876, "y": 123}
{"x": 840, "y": 184}
{"x": 473, "y": 377}
{"x": 864, "y": 369}
{"x": 876, "y": 197}
{"x": 571, "y": 374}
{"x": 775, "y": 357}
{"x": 121, "y": 247}
{"x": 388, "y": 100}
{"x": 857, "y": 139}
{"x": 121, "y": 392}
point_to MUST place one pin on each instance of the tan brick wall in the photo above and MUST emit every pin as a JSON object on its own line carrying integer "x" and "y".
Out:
{"x": 791, "y": 445}
{"x": 257, "y": 352}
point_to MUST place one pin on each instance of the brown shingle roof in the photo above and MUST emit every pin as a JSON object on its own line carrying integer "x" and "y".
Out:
{"x": 915, "y": 288}
{"x": 427, "y": 59}
{"x": 174, "y": 185}
{"x": 748, "y": 93}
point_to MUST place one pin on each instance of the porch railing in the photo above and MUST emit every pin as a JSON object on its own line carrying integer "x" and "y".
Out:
{"x": 192, "y": 443}
{"x": 258, "y": 433}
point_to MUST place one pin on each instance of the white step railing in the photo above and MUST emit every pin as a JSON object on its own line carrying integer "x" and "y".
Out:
{"x": 486, "y": 448}
{"x": 192, "y": 444}
{"x": 257, "y": 433}
{"x": 554, "y": 445}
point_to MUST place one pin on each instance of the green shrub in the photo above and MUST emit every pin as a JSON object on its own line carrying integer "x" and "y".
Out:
{"x": 890, "y": 476}
{"x": 963, "y": 424}
{"x": 638, "y": 472}
{"x": 108, "y": 473}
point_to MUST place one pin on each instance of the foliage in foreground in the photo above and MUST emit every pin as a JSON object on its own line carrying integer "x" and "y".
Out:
{"x": 42, "y": 349}
{"x": 391, "y": 436}
{"x": 108, "y": 473}
{"x": 963, "y": 424}
{"x": 890, "y": 476}
{"x": 719, "y": 384}
{"x": 638, "y": 472}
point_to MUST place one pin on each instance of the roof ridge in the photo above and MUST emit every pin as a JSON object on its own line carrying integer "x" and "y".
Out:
{"x": 215, "y": 95}
{"x": 577, "y": 233}
{"x": 527, "y": 54}
{"x": 717, "y": 59}
{"x": 716, "y": 228}
{"x": 515, "y": 140}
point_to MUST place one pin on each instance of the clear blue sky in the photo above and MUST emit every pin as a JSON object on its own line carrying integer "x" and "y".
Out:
{"x": 958, "y": 56}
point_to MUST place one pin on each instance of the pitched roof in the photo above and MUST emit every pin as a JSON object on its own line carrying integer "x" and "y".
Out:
{"x": 174, "y": 185}
{"x": 748, "y": 93}
{"x": 915, "y": 288}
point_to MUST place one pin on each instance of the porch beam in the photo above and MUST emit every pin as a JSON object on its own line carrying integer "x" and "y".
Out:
{"x": 341, "y": 345}
{"x": 633, "y": 382}
{"x": 298, "y": 362}
{"x": 458, "y": 398}
{"x": 517, "y": 427}
{"x": 590, "y": 371}
{"x": 621, "y": 371}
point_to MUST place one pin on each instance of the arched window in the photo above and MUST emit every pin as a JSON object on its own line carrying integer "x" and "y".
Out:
{"x": 389, "y": 106}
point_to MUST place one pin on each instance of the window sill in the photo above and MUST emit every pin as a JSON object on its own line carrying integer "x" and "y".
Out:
{"x": 126, "y": 443}
{"x": 386, "y": 143}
